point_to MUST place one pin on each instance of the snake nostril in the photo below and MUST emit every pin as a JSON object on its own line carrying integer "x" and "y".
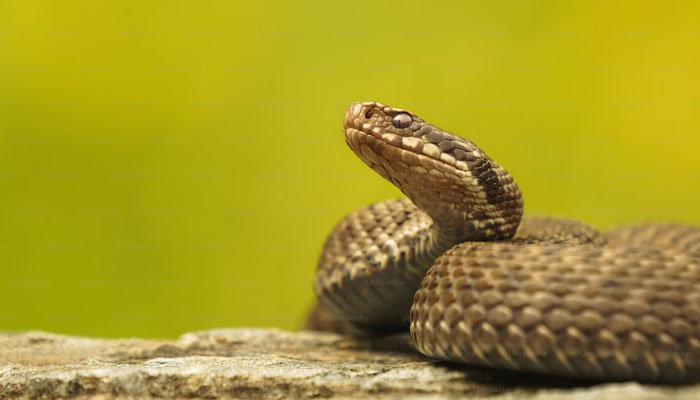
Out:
{"x": 369, "y": 114}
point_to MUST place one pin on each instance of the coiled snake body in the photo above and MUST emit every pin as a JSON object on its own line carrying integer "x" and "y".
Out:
{"x": 454, "y": 262}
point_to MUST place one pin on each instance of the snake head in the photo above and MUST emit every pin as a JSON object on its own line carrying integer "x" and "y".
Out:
{"x": 448, "y": 177}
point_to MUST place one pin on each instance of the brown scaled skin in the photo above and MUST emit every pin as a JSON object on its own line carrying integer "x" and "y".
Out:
{"x": 454, "y": 262}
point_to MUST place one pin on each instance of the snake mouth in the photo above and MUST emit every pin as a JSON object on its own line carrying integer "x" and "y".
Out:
{"x": 395, "y": 157}
{"x": 370, "y": 134}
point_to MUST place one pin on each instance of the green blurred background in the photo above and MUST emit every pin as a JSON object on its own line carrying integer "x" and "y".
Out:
{"x": 172, "y": 166}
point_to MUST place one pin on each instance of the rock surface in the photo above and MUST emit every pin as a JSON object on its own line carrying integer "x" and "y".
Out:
{"x": 269, "y": 363}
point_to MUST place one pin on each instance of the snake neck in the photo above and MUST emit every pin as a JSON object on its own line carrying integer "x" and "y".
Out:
{"x": 479, "y": 210}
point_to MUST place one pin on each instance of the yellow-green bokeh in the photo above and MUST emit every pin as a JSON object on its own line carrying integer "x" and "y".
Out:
{"x": 171, "y": 166}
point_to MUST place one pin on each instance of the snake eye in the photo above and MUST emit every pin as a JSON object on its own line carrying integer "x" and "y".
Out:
{"x": 401, "y": 121}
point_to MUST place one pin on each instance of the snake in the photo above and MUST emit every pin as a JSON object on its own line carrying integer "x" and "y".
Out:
{"x": 457, "y": 265}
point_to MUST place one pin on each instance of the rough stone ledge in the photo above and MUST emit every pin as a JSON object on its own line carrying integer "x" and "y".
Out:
{"x": 269, "y": 363}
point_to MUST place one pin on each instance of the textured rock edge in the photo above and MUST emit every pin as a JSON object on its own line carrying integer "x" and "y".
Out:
{"x": 268, "y": 363}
